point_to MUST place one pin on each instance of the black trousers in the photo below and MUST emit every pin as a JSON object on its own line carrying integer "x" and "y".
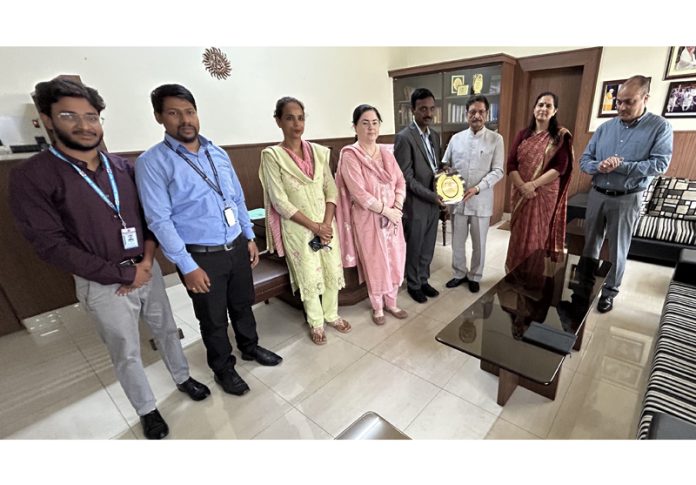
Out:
{"x": 231, "y": 291}
{"x": 421, "y": 236}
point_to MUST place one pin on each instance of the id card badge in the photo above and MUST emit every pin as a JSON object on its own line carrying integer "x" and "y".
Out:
{"x": 229, "y": 216}
{"x": 130, "y": 238}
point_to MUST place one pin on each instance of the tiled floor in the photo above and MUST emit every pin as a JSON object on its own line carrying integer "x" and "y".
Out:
{"x": 57, "y": 382}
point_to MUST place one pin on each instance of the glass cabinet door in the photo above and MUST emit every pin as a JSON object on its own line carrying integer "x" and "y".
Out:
{"x": 459, "y": 86}
{"x": 404, "y": 87}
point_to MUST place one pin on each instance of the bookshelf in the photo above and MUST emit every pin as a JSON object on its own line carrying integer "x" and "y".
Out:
{"x": 453, "y": 83}
{"x": 403, "y": 88}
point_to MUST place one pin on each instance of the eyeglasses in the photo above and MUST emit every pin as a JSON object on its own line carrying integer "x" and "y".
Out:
{"x": 74, "y": 118}
{"x": 481, "y": 112}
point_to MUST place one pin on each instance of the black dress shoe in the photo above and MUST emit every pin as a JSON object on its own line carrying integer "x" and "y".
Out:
{"x": 605, "y": 304}
{"x": 417, "y": 295}
{"x": 429, "y": 291}
{"x": 263, "y": 356}
{"x": 454, "y": 282}
{"x": 231, "y": 382}
{"x": 196, "y": 390}
{"x": 474, "y": 286}
{"x": 154, "y": 426}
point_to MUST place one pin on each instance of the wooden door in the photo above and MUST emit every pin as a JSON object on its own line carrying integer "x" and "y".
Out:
{"x": 566, "y": 84}
{"x": 572, "y": 75}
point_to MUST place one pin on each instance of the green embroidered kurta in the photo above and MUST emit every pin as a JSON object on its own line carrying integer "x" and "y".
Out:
{"x": 287, "y": 189}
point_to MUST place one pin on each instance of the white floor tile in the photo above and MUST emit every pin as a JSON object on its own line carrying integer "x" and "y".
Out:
{"x": 293, "y": 426}
{"x": 58, "y": 382}
{"x": 450, "y": 417}
{"x": 413, "y": 348}
{"x": 371, "y": 384}
{"x": 306, "y": 367}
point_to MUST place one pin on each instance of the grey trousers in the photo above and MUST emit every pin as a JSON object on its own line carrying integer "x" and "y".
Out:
{"x": 116, "y": 318}
{"x": 614, "y": 217}
{"x": 421, "y": 236}
{"x": 461, "y": 226}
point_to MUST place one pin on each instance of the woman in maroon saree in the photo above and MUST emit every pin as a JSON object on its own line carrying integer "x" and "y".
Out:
{"x": 540, "y": 163}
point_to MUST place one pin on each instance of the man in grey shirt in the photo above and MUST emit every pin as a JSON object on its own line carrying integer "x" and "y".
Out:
{"x": 623, "y": 156}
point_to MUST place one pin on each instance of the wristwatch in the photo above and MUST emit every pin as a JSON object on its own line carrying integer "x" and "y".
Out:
{"x": 478, "y": 190}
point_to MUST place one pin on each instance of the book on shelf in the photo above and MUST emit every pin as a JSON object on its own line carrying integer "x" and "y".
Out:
{"x": 495, "y": 85}
{"x": 494, "y": 112}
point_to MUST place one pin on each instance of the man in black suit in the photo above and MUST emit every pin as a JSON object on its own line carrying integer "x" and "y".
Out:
{"x": 417, "y": 149}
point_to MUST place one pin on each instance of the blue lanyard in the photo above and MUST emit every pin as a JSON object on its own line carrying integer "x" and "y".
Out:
{"x": 116, "y": 205}
{"x": 217, "y": 187}
{"x": 429, "y": 151}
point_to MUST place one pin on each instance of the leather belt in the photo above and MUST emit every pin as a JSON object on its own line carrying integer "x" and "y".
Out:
{"x": 131, "y": 261}
{"x": 616, "y": 193}
{"x": 197, "y": 248}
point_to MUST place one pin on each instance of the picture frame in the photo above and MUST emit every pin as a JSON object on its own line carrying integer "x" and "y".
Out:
{"x": 456, "y": 82}
{"x": 607, "y": 99}
{"x": 681, "y": 62}
{"x": 680, "y": 101}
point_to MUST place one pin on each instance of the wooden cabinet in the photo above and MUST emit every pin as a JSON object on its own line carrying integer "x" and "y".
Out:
{"x": 452, "y": 83}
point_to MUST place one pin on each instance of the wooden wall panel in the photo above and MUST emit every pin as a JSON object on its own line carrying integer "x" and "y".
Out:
{"x": 683, "y": 162}
{"x": 33, "y": 287}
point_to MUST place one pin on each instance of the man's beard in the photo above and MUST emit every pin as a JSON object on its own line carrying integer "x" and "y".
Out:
{"x": 66, "y": 139}
{"x": 186, "y": 139}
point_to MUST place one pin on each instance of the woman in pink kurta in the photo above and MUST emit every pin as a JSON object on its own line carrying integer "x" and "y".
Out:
{"x": 371, "y": 195}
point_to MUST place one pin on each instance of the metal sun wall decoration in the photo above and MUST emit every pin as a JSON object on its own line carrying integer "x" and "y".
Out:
{"x": 217, "y": 63}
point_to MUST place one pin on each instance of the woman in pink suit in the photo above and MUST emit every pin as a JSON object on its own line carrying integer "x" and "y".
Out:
{"x": 371, "y": 195}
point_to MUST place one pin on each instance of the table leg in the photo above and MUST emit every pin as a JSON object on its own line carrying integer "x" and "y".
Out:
{"x": 507, "y": 383}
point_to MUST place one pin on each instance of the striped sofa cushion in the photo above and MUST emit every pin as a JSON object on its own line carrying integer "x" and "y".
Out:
{"x": 666, "y": 229}
{"x": 647, "y": 195}
{"x": 672, "y": 383}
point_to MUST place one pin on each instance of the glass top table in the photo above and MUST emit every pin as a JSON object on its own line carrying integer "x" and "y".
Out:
{"x": 557, "y": 291}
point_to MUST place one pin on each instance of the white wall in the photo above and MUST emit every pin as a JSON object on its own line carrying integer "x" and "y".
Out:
{"x": 238, "y": 110}
{"x": 330, "y": 80}
{"x": 623, "y": 62}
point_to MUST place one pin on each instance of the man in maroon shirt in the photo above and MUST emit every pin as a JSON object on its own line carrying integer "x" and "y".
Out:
{"x": 79, "y": 209}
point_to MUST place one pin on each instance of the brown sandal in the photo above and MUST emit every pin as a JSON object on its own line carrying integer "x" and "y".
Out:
{"x": 378, "y": 320}
{"x": 397, "y": 312}
{"x": 341, "y": 325}
{"x": 317, "y": 335}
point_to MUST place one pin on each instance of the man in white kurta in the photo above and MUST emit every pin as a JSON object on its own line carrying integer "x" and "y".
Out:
{"x": 477, "y": 153}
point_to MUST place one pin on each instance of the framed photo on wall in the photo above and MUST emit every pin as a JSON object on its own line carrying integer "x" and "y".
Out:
{"x": 681, "y": 100}
{"x": 681, "y": 62}
{"x": 607, "y": 101}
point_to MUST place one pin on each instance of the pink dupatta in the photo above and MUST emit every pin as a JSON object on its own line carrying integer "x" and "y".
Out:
{"x": 349, "y": 253}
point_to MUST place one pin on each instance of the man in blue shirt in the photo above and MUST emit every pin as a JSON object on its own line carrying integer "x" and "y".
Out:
{"x": 195, "y": 206}
{"x": 623, "y": 156}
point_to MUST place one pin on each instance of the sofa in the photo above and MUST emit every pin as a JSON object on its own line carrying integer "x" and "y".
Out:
{"x": 667, "y": 221}
{"x": 669, "y": 405}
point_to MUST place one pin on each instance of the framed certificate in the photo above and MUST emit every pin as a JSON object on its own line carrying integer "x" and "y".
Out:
{"x": 450, "y": 188}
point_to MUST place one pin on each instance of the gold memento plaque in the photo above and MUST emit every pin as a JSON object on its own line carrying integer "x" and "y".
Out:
{"x": 456, "y": 82}
{"x": 478, "y": 83}
{"x": 450, "y": 188}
